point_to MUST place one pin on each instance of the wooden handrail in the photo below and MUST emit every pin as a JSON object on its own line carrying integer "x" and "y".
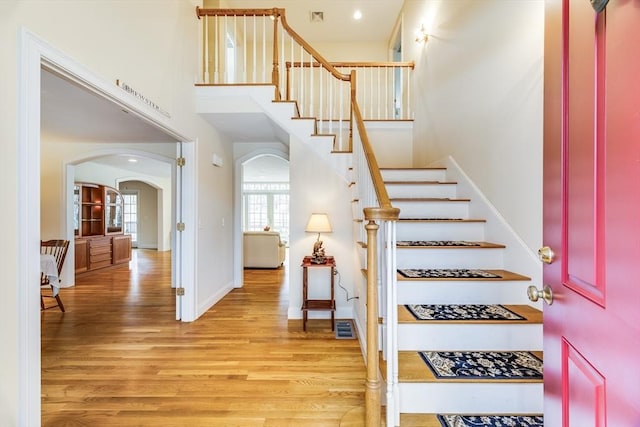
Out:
{"x": 376, "y": 175}
{"x": 326, "y": 64}
{"x": 307, "y": 64}
{"x": 236, "y": 12}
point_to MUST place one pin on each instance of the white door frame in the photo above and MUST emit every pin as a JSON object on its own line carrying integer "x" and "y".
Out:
{"x": 35, "y": 53}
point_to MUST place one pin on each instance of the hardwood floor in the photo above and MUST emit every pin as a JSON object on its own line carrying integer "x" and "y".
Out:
{"x": 117, "y": 357}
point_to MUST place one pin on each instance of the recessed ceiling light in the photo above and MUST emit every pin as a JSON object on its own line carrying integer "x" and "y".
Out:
{"x": 357, "y": 15}
{"x": 132, "y": 160}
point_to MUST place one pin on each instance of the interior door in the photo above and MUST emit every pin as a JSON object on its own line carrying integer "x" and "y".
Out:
{"x": 592, "y": 213}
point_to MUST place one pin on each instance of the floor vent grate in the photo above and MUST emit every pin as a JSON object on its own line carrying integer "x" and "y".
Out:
{"x": 344, "y": 329}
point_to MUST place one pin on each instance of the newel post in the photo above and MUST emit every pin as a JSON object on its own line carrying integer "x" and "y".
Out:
{"x": 372, "y": 384}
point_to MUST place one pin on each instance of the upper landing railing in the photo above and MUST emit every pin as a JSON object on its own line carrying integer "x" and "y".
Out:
{"x": 257, "y": 46}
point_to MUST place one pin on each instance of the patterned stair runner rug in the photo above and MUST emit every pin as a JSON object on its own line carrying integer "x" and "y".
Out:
{"x": 504, "y": 365}
{"x": 491, "y": 420}
{"x": 403, "y": 243}
{"x": 438, "y": 273}
{"x": 462, "y": 312}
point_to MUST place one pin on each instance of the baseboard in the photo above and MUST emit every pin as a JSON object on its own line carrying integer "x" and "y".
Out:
{"x": 362, "y": 336}
{"x": 213, "y": 299}
{"x": 341, "y": 313}
{"x": 146, "y": 246}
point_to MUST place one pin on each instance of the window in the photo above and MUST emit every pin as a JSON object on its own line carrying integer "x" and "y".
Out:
{"x": 131, "y": 216}
{"x": 266, "y": 204}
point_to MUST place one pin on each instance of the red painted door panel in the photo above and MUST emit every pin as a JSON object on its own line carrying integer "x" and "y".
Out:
{"x": 592, "y": 214}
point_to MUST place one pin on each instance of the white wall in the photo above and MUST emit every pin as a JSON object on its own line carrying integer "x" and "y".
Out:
{"x": 392, "y": 143}
{"x": 352, "y": 52}
{"x": 155, "y": 50}
{"x": 478, "y": 98}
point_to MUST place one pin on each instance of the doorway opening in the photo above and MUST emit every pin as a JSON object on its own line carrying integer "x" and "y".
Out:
{"x": 265, "y": 195}
{"x": 37, "y": 55}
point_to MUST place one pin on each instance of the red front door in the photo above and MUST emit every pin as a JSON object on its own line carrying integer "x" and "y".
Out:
{"x": 592, "y": 214}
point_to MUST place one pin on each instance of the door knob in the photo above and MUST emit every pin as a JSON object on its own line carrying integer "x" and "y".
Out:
{"x": 546, "y": 255}
{"x": 535, "y": 294}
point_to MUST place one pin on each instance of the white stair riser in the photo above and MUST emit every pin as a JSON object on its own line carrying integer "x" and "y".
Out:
{"x": 471, "y": 398}
{"x": 438, "y": 209}
{"x": 469, "y": 337}
{"x": 356, "y": 210}
{"x": 414, "y": 175}
{"x": 434, "y": 230}
{"x": 463, "y": 292}
{"x": 362, "y": 257}
{"x": 423, "y": 190}
{"x": 450, "y": 258}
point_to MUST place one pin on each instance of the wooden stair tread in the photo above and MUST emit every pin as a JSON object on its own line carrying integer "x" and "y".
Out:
{"x": 427, "y": 420}
{"x": 419, "y": 420}
{"x": 439, "y": 220}
{"x": 413, "y": 369}
{"x": 505, "y": 276}
{"x": 482, "y": 245}
{"x": 428, "y": 199}
{"x": 530, "y": 314}
{"x": 414, "y": 169}
{"x": 421, "y": 182}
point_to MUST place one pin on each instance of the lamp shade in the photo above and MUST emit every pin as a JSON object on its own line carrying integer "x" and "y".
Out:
{"x": 318, "y": 223}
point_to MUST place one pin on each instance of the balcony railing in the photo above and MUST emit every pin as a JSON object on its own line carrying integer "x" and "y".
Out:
{"x": 257, "y": 46}
{"x": 248, "y": 46}
{"x": 381, "y": 88}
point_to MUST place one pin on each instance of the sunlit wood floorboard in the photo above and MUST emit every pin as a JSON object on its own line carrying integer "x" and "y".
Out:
{"x": 117, "y": 357}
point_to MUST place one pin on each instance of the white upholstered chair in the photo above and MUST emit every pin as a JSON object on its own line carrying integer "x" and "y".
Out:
{"x": 263, "y": 249}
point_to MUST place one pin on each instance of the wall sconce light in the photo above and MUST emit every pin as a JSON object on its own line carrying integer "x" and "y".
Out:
{"x": 421, "y": 35}
{"x": 318, "y": 223}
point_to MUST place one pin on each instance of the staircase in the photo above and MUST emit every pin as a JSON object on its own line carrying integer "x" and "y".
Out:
{"x": 435, "y": 206}
{"x": 436, "y": 230}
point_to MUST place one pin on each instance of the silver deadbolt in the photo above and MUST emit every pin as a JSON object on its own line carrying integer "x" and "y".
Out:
{"x": 545, "y": 293}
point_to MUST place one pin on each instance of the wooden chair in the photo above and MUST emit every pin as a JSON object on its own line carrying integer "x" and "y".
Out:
{"x": 58, "y": 249}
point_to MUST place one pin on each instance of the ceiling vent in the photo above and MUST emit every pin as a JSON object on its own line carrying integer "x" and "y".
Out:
{"x": 317, "y": 16}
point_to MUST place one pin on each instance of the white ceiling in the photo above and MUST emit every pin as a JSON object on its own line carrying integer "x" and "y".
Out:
{"x": 378, "y": 18}
{"x": 73, "y": 113}
{"x": 70, "y": 112}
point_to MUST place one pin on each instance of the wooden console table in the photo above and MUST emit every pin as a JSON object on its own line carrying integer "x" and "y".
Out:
{"x": 317, "y": 304}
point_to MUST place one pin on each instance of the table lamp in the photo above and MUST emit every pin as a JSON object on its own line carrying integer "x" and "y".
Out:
{"x": 318, "y": 223}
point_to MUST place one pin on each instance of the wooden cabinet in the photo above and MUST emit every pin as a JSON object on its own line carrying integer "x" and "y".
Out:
{"x": 81, "y": 255}
{"x": 97, "y": 252}
{"x": 98, "y": 210}
{"x": 121, "y": 246}
{"x": 113, "y": 211}
{"x": 100, "y": 253}
{"x": 99, "y": 227}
